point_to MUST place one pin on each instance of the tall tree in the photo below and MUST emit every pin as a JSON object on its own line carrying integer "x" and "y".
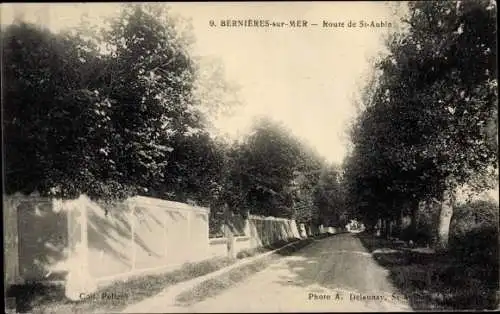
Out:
{"x": 55, "y": 121}
{"x": 329, "y": 196}
{"x": 108, "y": 112}
{"x": 264, "y": 169}
{"x": 149, "y": 78}
{"x": 426, "y": 121}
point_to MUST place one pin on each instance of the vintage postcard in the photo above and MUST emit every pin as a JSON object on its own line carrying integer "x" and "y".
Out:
{"x": 250, "y": 157}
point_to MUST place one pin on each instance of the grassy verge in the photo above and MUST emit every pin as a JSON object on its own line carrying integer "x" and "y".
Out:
{"x": 42, "y": 298}
{"x": 259, "y": 250}
{"x": 267, "y": 248}
{"x": 214, "y": 286}
{"x": 437, "y": 281}
{"x": 38, "y": 298}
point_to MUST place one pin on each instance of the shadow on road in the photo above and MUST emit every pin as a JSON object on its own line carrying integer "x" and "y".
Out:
{"x": 364, "y": 264}
{"x": 25, "y": 295}
{"x": 214, "y": 286}
{"x": 434, "y": 281}
{"x": 337, "y": 263}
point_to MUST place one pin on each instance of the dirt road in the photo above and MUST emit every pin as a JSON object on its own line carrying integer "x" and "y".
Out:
{"x": 332, "y": 274}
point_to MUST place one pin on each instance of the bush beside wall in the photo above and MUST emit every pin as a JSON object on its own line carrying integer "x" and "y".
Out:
{"x": 474, "y": 232}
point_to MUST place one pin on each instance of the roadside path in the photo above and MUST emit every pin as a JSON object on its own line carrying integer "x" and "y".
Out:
{"x": 332, "y": 274}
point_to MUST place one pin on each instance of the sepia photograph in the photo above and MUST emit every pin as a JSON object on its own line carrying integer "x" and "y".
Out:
{"x": 250, "y": 157}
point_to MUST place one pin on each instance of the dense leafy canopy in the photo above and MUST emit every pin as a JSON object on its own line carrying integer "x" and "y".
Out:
{"x": 429, "y": 123}
{"x": 126, "y": 109}
{"x": 274, "y": 174}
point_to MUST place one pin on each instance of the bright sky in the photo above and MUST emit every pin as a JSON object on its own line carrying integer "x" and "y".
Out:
{"x": 305, "y": 77}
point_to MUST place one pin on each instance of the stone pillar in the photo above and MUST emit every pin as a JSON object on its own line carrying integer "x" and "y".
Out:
{"x": 11, "y": 241}
{"x": 303, "y": 233}
{"x": 246, "y": 228}
{"x": 295, "y": 230}
{"x": 133, "y": 248}
{"x": 79, "y": 282}
{"x": 228, "y": 233}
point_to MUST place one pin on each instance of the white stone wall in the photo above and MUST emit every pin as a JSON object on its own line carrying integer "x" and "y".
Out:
{"x": 107, "y": 242}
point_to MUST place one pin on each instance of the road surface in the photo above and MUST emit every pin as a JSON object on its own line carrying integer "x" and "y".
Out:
{"x": 332, "y": 274}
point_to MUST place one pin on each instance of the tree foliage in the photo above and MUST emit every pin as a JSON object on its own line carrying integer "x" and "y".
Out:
{"x": 428, "y": 123}
{"x": 263, "y": 169}
{"x": 108, "y": 112}
{"x": 55, "y": 123}
{"x": 329, "y": 196}
{"x": 272, "y": 173}
{"x": 126, "y": 109}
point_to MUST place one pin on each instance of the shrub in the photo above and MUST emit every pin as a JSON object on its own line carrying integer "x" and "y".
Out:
{"x": 246, "y": 253}
{"x": 474, "y": 232}
{"x": 426, "y": 228}
{"x": 423, "y": 235}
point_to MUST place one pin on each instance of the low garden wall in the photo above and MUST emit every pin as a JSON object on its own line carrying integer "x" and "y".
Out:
{"x": 47, "y": 239}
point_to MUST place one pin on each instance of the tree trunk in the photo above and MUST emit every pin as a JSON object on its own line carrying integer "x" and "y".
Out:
{"x": 413, "y": 216}
{"x": 401, "y": 221}
{"x": 446, "y": 212}
{"x": 378, "y": 228}
{"x": 387, "y": 228}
